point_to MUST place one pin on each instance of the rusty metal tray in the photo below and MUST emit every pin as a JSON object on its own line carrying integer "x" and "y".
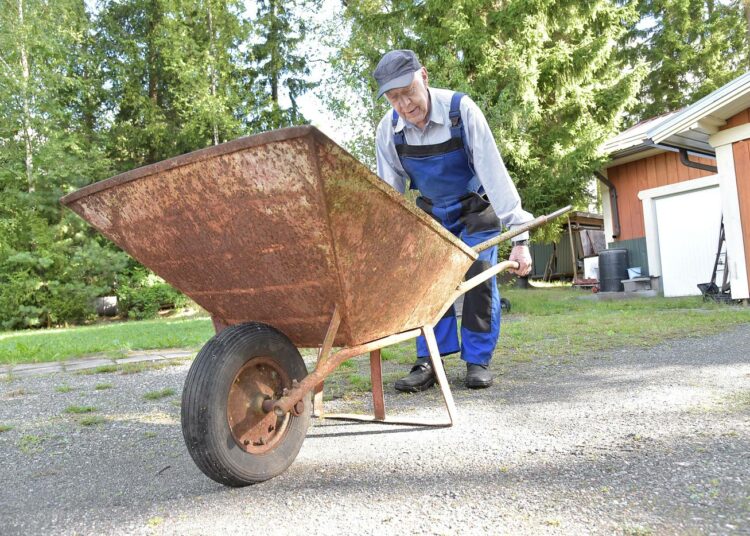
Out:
{"x": 281, "y": 228}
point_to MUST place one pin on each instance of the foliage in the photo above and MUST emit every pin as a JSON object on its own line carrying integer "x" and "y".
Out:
{"x": 51, "y": 274}
{"x": 84, "y": 93}
{"x": 176, "y": 76}
{"x": 142, "y": 295}
{"x": 89, "y": 91}
{"x": 691, "y": 47}
{"x": 279, "y": 62}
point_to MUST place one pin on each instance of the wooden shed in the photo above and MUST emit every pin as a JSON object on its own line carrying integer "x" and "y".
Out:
{"x": 672, "y": 180}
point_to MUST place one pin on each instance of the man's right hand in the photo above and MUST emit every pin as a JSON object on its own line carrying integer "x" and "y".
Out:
{"x": 522, "y": 256}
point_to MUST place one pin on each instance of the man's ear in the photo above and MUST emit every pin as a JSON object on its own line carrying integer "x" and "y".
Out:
{"x": 425, "y": 76}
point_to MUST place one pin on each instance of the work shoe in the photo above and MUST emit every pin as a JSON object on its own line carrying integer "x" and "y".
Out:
{"x": 420, "y": 378}
{"x": 478, "y": 376}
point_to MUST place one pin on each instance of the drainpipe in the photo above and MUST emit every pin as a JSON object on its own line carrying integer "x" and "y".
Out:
{"x": 612, "y": 203}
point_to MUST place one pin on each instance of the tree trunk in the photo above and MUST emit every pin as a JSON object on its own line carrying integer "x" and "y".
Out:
{"x": 212, "y": 67}
{"x": 25, "y": 102}
{"x": 152, "y": 69}
{"x": 274, "y": 40}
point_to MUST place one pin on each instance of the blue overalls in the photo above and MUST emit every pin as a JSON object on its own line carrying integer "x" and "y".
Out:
{"x": 451, "y": 193}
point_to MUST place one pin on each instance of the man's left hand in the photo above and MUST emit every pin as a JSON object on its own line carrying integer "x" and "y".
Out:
{"x": 522, "y": 256}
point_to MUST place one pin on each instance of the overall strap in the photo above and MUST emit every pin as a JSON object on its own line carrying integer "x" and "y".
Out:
{"x": 457, "y": 124}
{"x": 398, "y": 137}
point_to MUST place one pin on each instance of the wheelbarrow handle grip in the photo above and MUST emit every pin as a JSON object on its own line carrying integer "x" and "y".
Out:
{"x": 533, "y": 224}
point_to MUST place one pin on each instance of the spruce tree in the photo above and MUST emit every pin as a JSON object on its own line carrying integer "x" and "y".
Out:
{"x": 547, "y": 74}
{"x": 177, "y": 76}
{"x": 280, "y": 65}
{"x": 691, "y": 47}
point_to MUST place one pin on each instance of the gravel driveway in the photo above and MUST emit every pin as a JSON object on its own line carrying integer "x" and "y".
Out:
{"x": 632, "y": 441}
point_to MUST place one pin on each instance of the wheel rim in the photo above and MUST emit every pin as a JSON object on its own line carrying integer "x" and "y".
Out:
{"x": 254, "y": 430}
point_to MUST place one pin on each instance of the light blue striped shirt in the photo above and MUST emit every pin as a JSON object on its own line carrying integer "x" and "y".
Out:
{"x": 483, "y": 152}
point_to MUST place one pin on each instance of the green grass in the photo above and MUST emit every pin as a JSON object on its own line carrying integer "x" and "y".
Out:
{"x": 550, "y": 323}
{"x": 113, "y": 339}
{"x": 156, "y": 395}
{"x": 30, "y": 443}
{"x": 102, "y": 386}
{"x": 65, "y": 388}
{"x": 5, "y": 428}
{"x": 92, "y": 420}
{"x": 77, "y": 410}
{"x": 556, "y": 322}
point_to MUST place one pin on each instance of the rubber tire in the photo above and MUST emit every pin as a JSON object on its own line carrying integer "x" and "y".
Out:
{"x": 205, "y": 427}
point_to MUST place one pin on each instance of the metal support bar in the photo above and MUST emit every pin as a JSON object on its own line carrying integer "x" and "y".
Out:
{"x": 376, "y": 379}
{"x": 379, "y": 412}
{"x": 285, "y": 404}
{"x": 437, "y": 365}
{"x": 473, "y": 282}
{"x": 323, "y": 354}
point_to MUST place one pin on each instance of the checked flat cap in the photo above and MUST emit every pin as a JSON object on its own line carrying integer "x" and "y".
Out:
{"x": 396, "y": 69}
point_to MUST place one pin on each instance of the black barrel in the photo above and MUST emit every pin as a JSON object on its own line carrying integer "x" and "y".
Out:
{"x": 613, "y": 268}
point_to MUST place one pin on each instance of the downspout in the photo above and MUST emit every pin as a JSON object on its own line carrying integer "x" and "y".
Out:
{"x": 697, "y": 165}
{"x": 684, "y": 158}
{"x": 612, "y": 202}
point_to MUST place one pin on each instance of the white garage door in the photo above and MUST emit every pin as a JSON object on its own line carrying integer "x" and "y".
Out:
{"x": 688, "y": 225}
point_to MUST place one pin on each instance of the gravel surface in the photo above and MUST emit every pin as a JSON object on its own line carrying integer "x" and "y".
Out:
{"x": 632, "y": 441}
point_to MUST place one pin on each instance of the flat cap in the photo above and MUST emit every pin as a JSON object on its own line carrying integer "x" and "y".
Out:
{"x": 396, "y": 69}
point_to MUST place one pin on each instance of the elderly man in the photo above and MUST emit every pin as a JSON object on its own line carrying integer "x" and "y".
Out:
{"x": 440, "y": 141}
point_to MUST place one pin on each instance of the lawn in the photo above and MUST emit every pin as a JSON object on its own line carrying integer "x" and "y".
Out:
{"x": 548, "y": 323}
{"x": 561, "y": 323}
{"x": 112, "y": 339}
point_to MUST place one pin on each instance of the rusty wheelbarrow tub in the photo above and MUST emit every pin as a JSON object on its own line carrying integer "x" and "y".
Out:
{"x": 287, "y": 241}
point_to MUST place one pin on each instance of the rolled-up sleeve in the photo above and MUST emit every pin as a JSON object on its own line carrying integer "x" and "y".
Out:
{"x": 490, "y": 169}
{"x": 389, "y": 169}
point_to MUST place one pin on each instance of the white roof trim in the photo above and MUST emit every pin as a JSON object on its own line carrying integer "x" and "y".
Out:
{"x": 701, "y": 120}
{"x": 701, "y": 109}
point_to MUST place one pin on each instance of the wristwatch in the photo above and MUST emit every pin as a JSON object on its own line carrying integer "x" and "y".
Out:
{"x": 523, "y": 242}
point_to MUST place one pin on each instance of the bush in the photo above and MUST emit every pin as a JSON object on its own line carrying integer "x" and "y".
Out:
{"x": 50, "y": 274}
{"x": 142, "y": 295}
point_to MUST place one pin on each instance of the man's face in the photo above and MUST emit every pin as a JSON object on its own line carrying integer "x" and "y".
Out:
{"x": 413, "y": 101}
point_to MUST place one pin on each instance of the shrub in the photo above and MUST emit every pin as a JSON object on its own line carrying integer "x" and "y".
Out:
{"x": 50, "y": 274}
{"x": 143, "y": 295}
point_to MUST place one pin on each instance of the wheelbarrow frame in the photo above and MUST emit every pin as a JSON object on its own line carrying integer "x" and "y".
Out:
{"x": 329, "y": 361}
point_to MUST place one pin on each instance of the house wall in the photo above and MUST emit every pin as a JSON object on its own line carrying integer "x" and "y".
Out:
{"x": 649, "y": 172}
{"x": 741, "y": 154}
{"x": 737, "y": 120}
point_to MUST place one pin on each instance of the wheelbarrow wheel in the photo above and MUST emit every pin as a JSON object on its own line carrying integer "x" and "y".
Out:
{"x": 229, "y": 436}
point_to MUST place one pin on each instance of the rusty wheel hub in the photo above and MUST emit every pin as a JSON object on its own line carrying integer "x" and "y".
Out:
{"x": 255, "y": 430}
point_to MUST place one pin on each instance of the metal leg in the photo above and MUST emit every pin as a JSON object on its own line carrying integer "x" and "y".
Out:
{"x": 377, "y": 392}
{"x": 323, "y": 354}
{"x": 376, "y": 378}
{"x": 437, "y": 365}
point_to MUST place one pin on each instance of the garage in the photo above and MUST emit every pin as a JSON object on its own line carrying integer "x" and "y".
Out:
{"x": 688, "y": 226}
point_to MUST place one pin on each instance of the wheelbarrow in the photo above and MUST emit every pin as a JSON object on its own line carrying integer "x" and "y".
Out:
{"x": 287, "y": 241}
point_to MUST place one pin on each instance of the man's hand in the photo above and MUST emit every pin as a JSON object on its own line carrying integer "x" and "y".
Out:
{"x": 521, "y": 255}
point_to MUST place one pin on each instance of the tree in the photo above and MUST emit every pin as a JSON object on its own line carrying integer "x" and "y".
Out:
{"x": 280, "y": 66}
{"x": 692, "y": 47}
{"x": 50, "y": 266}
{"x": 177, "y": 77}
{"x": 547, "y": 74}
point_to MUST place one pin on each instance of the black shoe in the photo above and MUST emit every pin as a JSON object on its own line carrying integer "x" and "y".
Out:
{"x": 478, "y": 376}
{"x": 421, "y": 377}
